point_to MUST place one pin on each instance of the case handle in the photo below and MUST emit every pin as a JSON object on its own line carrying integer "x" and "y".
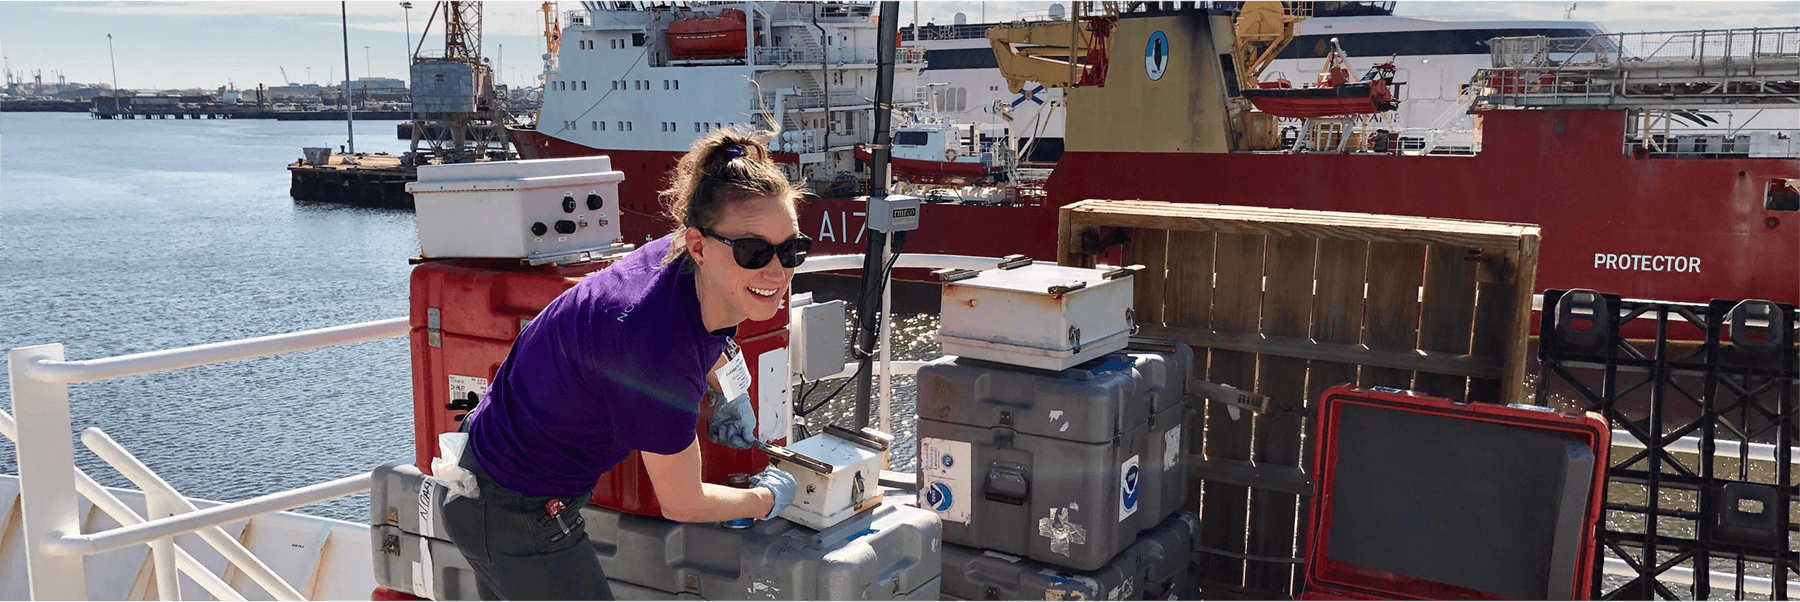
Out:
{"x": 1007, "y": 485}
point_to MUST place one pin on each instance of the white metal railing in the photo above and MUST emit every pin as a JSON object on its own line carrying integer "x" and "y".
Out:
{"x": 49, "y": 479}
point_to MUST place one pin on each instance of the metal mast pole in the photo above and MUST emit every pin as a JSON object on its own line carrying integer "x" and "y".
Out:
{"x": 114, "y": 60}
{"x": 870, "y": 306}
{"x": 349, "y": 116}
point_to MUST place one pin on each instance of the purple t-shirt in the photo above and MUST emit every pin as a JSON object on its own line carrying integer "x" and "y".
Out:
{"x": 616, "y": 363}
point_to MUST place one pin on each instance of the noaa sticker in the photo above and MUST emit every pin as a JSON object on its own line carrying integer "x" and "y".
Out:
{"x": 1129, "y": 476}
{"x": 948, "y": 460}
{"x": 1156, "y": 55}
{"x": 938, "y": 497}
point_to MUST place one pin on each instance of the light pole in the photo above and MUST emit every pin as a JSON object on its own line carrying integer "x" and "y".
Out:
{"x": 115, "y": 64}
{"x": 367, "y": 73}
{"x": 408, "y": 7}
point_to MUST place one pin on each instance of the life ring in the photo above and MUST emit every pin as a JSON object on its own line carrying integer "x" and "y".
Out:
{"x": 949, "y": 154}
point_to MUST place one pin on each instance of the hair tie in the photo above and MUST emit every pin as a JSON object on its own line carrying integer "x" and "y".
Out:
{"x": 734, "y": 151}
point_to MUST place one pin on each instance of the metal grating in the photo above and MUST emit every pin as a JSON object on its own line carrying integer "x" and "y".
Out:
{"x": 1707, "y": 388}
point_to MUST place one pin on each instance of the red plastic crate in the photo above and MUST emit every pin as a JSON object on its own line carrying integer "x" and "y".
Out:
{"x": 482, "y": 306}
{"x": 1413, "y": 494}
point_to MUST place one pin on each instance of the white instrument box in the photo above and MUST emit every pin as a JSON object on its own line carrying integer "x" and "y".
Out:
{"x": 541, "y": 210}
{"x": 1034, "y": 315}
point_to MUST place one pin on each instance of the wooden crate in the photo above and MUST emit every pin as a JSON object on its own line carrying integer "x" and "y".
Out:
{"x": 1287, "y": 302}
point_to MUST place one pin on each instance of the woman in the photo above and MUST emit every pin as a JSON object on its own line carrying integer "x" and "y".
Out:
{"x": 620, "y": 363}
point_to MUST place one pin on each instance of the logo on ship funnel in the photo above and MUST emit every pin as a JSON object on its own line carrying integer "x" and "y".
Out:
{"x": 1156, "y": 55}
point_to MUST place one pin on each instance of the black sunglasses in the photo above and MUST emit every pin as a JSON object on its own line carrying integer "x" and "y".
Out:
{"x": 754, "y": 253}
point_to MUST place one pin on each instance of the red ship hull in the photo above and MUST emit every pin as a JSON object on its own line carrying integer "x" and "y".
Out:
{"x": 1650, "y": 228}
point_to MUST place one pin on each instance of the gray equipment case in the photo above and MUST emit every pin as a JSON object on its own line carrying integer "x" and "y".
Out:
{"x": 1061, "y": 467}
{"x": 1155, "y": 567}
{"x": 890, "y": 552}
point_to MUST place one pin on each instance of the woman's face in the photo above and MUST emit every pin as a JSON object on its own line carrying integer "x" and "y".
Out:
{"x": 744, "y": 293}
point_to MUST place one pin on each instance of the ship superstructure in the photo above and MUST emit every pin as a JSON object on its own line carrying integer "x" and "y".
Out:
{"x": 642, "y": 81}
{"x": 1434, "y": 56}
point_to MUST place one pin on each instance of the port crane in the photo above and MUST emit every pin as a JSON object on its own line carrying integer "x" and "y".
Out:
{"x": 458, "y": 116}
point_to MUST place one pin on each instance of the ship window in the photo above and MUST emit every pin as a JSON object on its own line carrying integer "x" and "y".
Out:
{"x": 665, "y": 84}
{"x": 678, "y": 84}
{"x": 602, "y": 126}
{"x": 628, "y": 126}
{"x": 584, "y": 85}
{"x": 961, "y": 58}
{"x": 910, "y": 138}
{"x": 593, "y": 125}
{"x": 621, "y": 126}
{"x": 637, "y": 39}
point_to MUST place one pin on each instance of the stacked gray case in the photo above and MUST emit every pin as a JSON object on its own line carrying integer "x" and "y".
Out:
{"x": 1061, "y": 467}
{"x": 411, "y": 554}
{"x": 891, "y": 552}
{"x": 1155, "y": 567}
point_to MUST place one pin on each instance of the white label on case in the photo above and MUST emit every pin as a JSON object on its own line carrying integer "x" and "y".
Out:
{"x": 1129, "y": 480}
{"x": 774, "y": 414}
{"x": 947, "y": 488}
{"x": 462, "y": 386}
{"x": 1171, "y": 448}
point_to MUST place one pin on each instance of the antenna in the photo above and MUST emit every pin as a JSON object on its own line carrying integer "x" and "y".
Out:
{"x": 1569, "y": 13}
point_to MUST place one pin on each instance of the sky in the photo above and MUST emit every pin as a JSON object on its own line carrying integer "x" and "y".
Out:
{"x": 171, "y": 45}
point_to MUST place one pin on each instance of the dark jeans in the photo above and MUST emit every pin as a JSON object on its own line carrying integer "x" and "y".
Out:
{"x": 518, "y": 550}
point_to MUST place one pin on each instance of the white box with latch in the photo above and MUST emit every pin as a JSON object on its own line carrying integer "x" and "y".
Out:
{"x": 838, "y": 474}
{"x": 540, "y": 210}
{"x": 1036, "y": 315}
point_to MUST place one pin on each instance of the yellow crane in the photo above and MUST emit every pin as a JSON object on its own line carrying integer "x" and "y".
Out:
{"x": 1057, "y": 53}
{"x": 1263, "y": 28}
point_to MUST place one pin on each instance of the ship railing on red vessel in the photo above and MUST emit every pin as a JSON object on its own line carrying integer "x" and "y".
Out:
{"x": 1660, "y": 69}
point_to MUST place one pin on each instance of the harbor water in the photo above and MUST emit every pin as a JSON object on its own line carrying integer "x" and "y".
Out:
{"x": 121, "y": 237}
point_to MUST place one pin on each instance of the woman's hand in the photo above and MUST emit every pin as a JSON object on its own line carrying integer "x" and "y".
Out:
{"x": 780, "y": 484}
{"x": 733, "y": 423}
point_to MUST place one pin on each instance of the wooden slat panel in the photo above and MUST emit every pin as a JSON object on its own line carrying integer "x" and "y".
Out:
{"x": 1408, "y": 360}
{"x": 1296, "y": 222}
{"x": 1188, "y": 301}
{"x": 1149, "y": 248}
{"x": 1237, "y": 297}
{"x": 1512, "y": 384}
{"x": 1337, "y": 319}
{"x": 1188, "y": 305}
{"x": 1287, "y": 312}
{"x": 1393, "y": 307}
{"x": 1447, "y": 314}
{"x": 1496, "y": 295}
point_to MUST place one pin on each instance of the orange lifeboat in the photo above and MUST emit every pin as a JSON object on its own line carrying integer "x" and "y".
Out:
{"x": 719, "y": 37}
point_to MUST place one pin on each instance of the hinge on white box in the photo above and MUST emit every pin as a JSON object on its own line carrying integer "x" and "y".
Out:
{"x": 1013, "y": 261}
{"x": 1075, "y": 338}
{"x": 434, "y": 329}
{"x": 1058, "y": 290}
{"x": 955, "y": 274}
{"x": 1117, "y": 273}
{"x": 868, "y": 437}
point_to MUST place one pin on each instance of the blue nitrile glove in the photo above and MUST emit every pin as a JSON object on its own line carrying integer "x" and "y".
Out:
{"x": 733, "y": 423}
{"x": 778, "y": 482}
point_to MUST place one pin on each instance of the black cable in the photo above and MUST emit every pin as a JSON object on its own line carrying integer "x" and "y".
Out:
{"x": 834, "y": 394}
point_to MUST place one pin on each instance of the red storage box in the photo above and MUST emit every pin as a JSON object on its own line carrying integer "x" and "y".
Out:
{"x": 1421, "y": 497}
{"x": 465, "y": 314}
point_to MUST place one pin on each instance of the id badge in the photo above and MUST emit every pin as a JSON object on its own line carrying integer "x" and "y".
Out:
{"x": 734, "y": 376}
